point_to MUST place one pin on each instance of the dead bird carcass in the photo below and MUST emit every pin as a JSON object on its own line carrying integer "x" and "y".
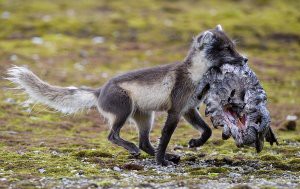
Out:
{"x": 236, "y": 101}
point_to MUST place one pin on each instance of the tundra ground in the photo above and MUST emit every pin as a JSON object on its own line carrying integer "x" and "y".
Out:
{"x": 84, "y": 43}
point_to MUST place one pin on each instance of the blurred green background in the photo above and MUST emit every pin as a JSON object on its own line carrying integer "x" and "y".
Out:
{"x": 84, "y": 43}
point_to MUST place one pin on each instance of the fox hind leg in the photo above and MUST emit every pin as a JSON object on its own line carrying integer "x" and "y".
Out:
{"x": 116, "y": 102}
{"x": 144, "y": 121}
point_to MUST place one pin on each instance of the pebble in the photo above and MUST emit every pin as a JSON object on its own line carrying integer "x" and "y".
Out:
{"x": 117, "y": 169}
{"x": 234, "y": 175}
{"x": 42, "y": 170}
{"x": 5, "y": 15}
{"x": 10, "y": 101}
{"x": 98, "y": 40}
{"x": 178, "y": 147}
{"x": 37, "y": 40}
{"x": 13, "y": 58}
{"x": 291, "y": 118}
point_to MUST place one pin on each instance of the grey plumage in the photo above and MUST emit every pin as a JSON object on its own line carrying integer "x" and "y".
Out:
{"x": 237, "y": 102}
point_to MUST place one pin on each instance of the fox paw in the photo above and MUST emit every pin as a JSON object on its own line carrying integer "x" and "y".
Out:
{"x": 173, "y": 158}
{"x": 195, "y": 143}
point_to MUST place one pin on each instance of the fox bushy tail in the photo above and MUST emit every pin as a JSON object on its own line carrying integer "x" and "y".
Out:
{"x": 64, "y": 99}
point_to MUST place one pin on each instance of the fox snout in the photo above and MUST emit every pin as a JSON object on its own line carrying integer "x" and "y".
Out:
{"x": 242, "y": 60}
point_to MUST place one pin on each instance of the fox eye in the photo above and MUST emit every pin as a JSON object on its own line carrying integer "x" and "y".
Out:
{"x": 227, "y": 48}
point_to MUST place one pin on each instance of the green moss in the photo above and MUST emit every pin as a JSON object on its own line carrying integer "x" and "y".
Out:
{"x": 43, "y": 143}
{"x": 105, "y": 184}
{"x": 218, "y": 170}
{"x": 295, "y": 161}
{"x": 198, "y": 172}
{"x": 209, "y": 171}
{"x": 268, "y": 157}
{"x": 92, "y": 153}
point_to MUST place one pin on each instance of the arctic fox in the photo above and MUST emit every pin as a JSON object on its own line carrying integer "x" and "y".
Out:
{"x": 138, "y": 94}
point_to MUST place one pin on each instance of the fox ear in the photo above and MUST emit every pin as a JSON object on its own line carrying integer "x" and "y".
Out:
{"x": 203, "y": 39}
{"x": 219, "y": 28}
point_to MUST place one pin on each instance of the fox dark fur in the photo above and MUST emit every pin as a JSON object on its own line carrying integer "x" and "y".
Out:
{"x": 138, "y": 94}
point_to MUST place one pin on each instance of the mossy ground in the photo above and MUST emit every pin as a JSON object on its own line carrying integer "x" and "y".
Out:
{"x": 41, "y": 148}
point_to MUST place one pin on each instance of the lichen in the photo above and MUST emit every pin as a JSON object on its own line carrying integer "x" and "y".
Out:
{"x": 42, "y": 148}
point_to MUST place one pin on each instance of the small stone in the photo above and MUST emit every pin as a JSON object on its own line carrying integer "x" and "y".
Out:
{"x": 201, "y": 155}
{"x": 228, "y": 161}
{"x": 12, "y": 132}
{"x": 214, "y": 154}
{"x": 291, "y": 118}
{"x": 21, "y": 153}
{"x": 104, "y": 75}
{"x": 42, "y": 144}
{"x": 98, "y": 40}
{"x": 46, "y": 18}
{"x": 234, "y": 175}
{"x": 3, "y": 179}
{"x": 5, "y": 15}
{"x": 178, "y": 147}
{"x": 242, "y": 186}
{"x": 132, "y": 166}
{"x": 78, "y": 66}
{"x": 41, "y": 170}
{"x": 13, "y": 58}
{"x": 290, "y": 125}
{"x": 10, "y": 101}
{"x": 117, "y": 169}
{"x": 37, "y": 40}
{"x": 83, "y": 54}
{"x": 80, "y": 172}
{"x": 54, "y": 153}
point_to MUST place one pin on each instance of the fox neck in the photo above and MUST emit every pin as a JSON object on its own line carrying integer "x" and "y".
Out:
{"x": 198, "y": 65}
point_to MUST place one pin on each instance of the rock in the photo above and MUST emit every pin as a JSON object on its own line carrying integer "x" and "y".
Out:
{"x": 227, "y": 161}
{"x": 291, "y": 118}
{"x": 117, "y": 169}
{"x": 98, "y": 40}
{"x": 178, "y": 147}
{"x": 132, "y": 166}
{"x": 37, "y": 40}
{"x": 234, "y": 175}
{"x": 242, "y": 186}
{"x": 42, "y": 144}
{"x": 41, "y": 170}
{"x": 5, "y": 15}
{"x": 13, "y": 58}
{"x": 3, "y": 179}
{"x": 201, "y": 155}
{"x": 55, "y": 153}
{"x": 10, "y": 101}
{"x": 291, "y": 124}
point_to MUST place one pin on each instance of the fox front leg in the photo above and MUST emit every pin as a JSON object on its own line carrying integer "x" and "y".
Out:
{"x": 167, "y": 131}
{"x": 193, "y": 117}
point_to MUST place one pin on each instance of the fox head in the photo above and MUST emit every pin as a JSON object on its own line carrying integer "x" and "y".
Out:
{"x": 216, "y": 48}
